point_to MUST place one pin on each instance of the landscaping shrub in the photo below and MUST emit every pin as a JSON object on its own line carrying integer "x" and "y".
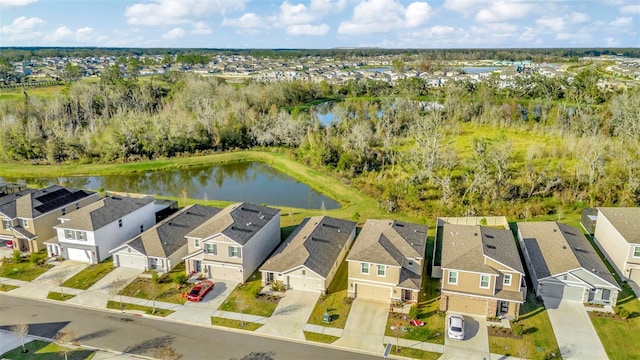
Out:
{"x": 34, "y": 257}
{"x": 16, "y": 256}
{"x": 155, "y": 278}
{"x": 623, "y": 313}
{"x": 179, "y": 278}
{"x": 413, "y": 312}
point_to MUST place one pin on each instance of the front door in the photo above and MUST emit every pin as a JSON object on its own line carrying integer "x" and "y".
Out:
{"x": 269, "y": 277}
{"x": 406, "y": 295}
{"x": 196, "y": 266}
{"x": 606, "y": 295}
{"x": 504, "y": 307}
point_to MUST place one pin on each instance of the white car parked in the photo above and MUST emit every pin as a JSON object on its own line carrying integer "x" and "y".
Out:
{"x": 455, "y": 327}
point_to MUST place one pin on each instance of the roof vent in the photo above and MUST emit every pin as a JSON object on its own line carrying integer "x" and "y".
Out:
{"x": 564, "y": 247}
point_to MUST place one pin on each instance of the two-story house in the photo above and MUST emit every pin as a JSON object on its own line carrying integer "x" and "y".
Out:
{"x": 89, "y": 234}
{"x": 310, "y": 257}
{"x": 617, "y": 234}
{"x": 28, "y": 216}
{"x": 163, "y": 246}
{"x": 386, "y": 262}
{"x": 482, "y": 271}
{"x": 234, "y": 242}
{"x": 563, "y": 264}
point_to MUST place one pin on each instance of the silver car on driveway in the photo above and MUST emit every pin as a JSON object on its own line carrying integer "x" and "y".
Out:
{"x": 455, "y": 327}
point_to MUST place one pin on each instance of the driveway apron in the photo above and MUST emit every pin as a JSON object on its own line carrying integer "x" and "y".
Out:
{"x": 475, "y": 344}
{"x": 201, "y": 312}
{"x": 291, "y": 315}
{"x": 61, "y": 272}
{"x": 365, "y": 326}
{"x": 574, "y": 331}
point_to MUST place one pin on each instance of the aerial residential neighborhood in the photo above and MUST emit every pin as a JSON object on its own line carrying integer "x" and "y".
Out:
{"x": 487, "y": 270}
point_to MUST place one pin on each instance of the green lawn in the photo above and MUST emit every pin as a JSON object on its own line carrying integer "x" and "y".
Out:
{"x": 147, "y": 309}
{"x": 24, "y": 271}
{"x": 52, "y": 295}
{"x": 90, "y": 275}
{"x": 322, "y": 338}
{"x": 335, "y": 301}
{"x": 539, "y": 340}
{"x": 7, "y": 287}
{"x": 414, "y": 353}
{"x": 244, "y": 299}
{"x": 236, "y": 324}
{"x": 42, "y": 350}
{"x": 617, "y": 335}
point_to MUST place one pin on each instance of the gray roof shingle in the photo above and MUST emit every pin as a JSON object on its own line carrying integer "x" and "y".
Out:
{"x": 315, "y": 243}
{"x": 102, "y": 212}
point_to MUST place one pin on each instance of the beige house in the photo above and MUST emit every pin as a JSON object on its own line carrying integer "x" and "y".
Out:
{"x": 310, "y": 257}
{"x": 617, "y": 234}
{"x": 28, "y": 216}
{"x": 234, "y": 242}
{"x": 563, "y": 264}
{"x": 386, "y": 262}
{"x": 163, "y": 246}
{"x": 482, "y": 271}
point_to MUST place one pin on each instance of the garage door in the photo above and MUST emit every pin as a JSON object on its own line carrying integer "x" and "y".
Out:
{"x": 304, "y": 283}
{"x": 131, "y": 261}
{"x": 466, "y": 305}
{"x": 79, "y": 255}
{"x": 635, "y": 276}
{"x": 558, "y": 291}
{"x": 224, "y": 273}
{"x": 375, "y": 293}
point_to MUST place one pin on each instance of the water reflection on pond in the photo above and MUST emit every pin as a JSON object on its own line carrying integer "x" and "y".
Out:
{"x": 254, "y": 182}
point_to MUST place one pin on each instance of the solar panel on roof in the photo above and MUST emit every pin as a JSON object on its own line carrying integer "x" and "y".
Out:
{"x": 64, "y": 198}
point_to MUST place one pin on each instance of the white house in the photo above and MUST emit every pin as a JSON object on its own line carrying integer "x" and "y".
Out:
{"x": 617, "y": 234}
{"x": 163, "y": 246}
{"x": 234, "y": 242}
{"x": 89, "y": 233}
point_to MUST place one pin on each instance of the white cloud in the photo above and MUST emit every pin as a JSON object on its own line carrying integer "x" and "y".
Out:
{"x": 64, "y": 34}
{"x": 16, "y": 3}
{"x": 630, "y": 9}
{"x": 327, "y": 6}
{"x": 621, "y": 22}
{"x": 503, "y": 11}
{"x": 611, "y": 42}
{"x": 579, "y": 18}
{"x": 555, "y": 24}
{"x": 528, "y": 35}
{"x": 246, "y": 21}
{"x": 174, "y": 33}
{"x": 306, "y": 29}
{"x": 377, "y": 16}
{"x": 201, "y": 28}
{"x": 466, "y": 7}
{"x": 295, "y": 14}
{"x": 22, "y": 28}
{"x": 172, "y": 12}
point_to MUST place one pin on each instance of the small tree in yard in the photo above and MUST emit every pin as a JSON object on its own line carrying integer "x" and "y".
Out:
{"x": 166, "y": 353}
{"x": 64, "y": 338}
{"x": 58, "y": 279}
{"x": 16, "y": 256}
{"x": 153, "y": 291}
{"x": 21, "y": 330}
{"x": 413, "y": 312}
{"x": 115, "y": 287}
{"x": 241, "y": 307}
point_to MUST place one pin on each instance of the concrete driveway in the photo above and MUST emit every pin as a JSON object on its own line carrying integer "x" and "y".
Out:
{"x": 201, "y": 312}
{"x": 574, "y": 331}
{"x": 365, "y": 326}
{"x": 291, "y": 315}
{"x": 98, "y": 294}
{"x": 476, "y": 340}
{"x": 60, "y": 272}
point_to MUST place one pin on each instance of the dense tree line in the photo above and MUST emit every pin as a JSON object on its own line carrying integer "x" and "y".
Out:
{"x": 413, "y": 147}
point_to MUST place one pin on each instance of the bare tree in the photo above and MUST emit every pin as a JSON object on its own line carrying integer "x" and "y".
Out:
{"x": 241, "y": 307}
{"x": 166, "y": 352}
{"x": 64, "y": 339}
{"x": 153, "y": 291}
{"x": 115, "y": 287}
{"x": 21, "y": 330}
{"x": 58, "y": 279}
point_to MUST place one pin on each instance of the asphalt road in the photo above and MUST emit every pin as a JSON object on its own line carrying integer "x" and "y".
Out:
{"x": 141, "y": 335}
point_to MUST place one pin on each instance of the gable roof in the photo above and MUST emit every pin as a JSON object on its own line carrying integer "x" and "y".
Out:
{"x": 626, "y": 220}
{"x": 105, "y": 211}
{"x": 389, "y": 242}
{"x": 464, "y": 247}
{"x": 239, "y": 222}
{"x": 167, "y": 237}
{"x": 316, "y": 243}
{"x": 556, "y": 248}
{"x": 31, "y": 203}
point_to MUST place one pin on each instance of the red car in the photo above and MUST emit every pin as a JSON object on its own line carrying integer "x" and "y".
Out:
{"x": 416, "y": 322}
{"x": 200, "y": 290}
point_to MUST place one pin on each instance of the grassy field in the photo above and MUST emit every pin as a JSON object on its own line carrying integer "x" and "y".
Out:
{"x": 617, "y": 334}
{"x": 539, "y": 340}
{"x": 146, "y": 309}
{"x": 90, "y": 275}
{"x": 321, "y": 338}
{"x": 335, "y": 301}
{"x": 236, "y": 324}
{"x": 42, "y": 350}
{"x": 24, "y": 271}
{"x": 414, "y": 353}
{"x": 244, "y": 299}
{"x": 53, "y": 295}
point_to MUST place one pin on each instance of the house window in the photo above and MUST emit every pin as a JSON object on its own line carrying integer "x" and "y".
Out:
{"x": 636, "y": 251}
{"x": 382, "y": 270}
{"x": 77, "y": 206}
{"x": 25, "y": 223}
{"x": 453, "y": 277}
{"x": 69, "y": 234}
{"x": 6, "y": 224}
{"x": 196, "y": 243}
{"x": 119, "y": 222}
{"x": 81, "y": 235}
{"x": 364, "y": 268}
{"x": 211, "y": 249}
{"x": 234, "y": 251}
{"x": 484, "y": 281}
{"x": 410, "y": 262}
{"x": 507, "y": 280}
{"x": 64, "y": 211}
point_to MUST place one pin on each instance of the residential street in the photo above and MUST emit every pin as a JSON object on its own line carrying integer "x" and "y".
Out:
{"x": 142, "y": 335}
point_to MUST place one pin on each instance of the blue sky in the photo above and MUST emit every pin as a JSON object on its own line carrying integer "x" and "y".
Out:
{"x": 321, "y": 23}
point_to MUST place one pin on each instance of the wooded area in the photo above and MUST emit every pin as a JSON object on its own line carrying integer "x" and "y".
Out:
{"x": 536, "y": 148}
